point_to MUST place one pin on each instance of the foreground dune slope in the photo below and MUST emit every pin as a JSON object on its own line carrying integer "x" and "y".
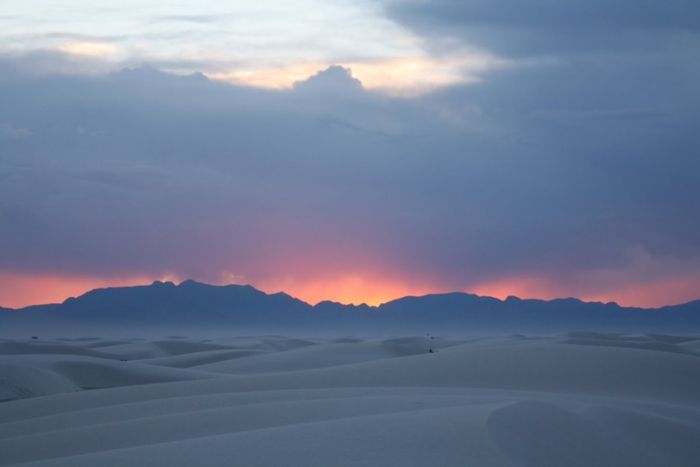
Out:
{"x": 570, "y": 400}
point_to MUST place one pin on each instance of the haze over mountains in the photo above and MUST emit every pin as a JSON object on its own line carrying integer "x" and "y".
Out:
{"x": 243, "y": 307}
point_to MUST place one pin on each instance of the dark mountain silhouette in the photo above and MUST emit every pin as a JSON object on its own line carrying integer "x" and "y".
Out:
{"x": 192, "y": 303}
{"x": 165, "y": 302}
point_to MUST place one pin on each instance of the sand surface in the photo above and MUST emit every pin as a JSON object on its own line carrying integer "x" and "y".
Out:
{"x": 573, "y": 400}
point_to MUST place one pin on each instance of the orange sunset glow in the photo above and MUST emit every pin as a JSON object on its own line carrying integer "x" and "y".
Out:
{"x": 20, "y": 290}
{"x": 352, "y": 289}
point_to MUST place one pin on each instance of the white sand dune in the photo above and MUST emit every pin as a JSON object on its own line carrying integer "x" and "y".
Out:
{"x": 139, "y": 348}
{"x": 33, "y": 347}
{"x": 203, "y": 359}
{"x": 18, "y": 381}
{"x": 325, "y": 355}
{"x": 576, "y": 400}
{"x": 40, "y": 374}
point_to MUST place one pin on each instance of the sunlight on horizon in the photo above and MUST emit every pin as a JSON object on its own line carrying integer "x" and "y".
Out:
{"x": 20, "y": 290}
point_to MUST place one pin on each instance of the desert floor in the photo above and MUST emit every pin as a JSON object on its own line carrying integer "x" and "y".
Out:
{"x": 580, "y": 399}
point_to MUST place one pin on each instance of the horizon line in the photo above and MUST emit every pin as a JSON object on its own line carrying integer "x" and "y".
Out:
{"x": 509, "y": 297}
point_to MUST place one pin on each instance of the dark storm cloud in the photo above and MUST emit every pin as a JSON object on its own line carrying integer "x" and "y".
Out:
{"x": 534, "y": 27}
{"x": 609, "y": 102}
{"x": 558, "y": 168}
{"x": 550, "y": 14}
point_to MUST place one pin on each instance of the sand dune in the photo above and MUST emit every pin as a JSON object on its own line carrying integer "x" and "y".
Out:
{"x": 322, "y": 355}
{"x": 19, "y": 381}
{"x": 203, "y": 359}
{"x": 24, "y": 348}
{"x": 573, "y": 400}
{"x": 23, "y": 375}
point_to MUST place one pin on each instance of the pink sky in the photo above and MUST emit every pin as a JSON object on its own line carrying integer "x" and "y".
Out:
{"x": 18, "y": 290}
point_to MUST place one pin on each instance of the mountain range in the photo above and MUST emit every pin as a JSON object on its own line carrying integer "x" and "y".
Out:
{"x": 242, "y": 307}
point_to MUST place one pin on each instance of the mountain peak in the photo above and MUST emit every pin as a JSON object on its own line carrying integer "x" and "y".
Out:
{"x": 189, "y": 283}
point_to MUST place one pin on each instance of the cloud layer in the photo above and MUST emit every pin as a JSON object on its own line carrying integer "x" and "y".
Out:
{"x": 574, "y": 170}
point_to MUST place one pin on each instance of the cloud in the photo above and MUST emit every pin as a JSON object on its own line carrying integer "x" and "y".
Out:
{"x": 198, "y": 19}
{"x": 90, "y": 49}
{"x": 537, "y": 27}
{"x": 555, "y": 171}
{"x": 576, "y": 14}
{"x": 399, "y": 77}
{"x": 265, "y": 44}
{"x": 333, "y": 80}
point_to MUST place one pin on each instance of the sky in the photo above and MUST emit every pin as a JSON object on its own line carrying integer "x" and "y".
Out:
{"x": 352, "y": 150}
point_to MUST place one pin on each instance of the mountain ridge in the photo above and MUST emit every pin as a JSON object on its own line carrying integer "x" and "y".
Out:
{"x": 193, "y": 283}
{"x": 193, "y": 303}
